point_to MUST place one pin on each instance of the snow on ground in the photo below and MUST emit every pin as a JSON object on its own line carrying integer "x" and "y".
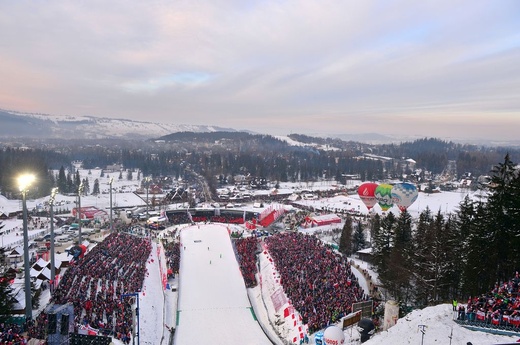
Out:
{"x": 213, "y": 304}
{"x": 444, "y": 202}
{"x": 152, "y": 317}
{"x": 439, "y": 327}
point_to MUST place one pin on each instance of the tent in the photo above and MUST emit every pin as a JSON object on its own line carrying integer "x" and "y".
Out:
{"x": 326, "y": 219}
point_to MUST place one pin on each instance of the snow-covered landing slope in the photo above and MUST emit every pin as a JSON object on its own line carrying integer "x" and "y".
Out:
{"x": 213, "y": 303}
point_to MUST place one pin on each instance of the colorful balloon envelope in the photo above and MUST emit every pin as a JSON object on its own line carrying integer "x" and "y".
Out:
{"x": 366, "y": 193}
{"x": 404, "y": 194}
{"x": 333, "y": 335}
{"x": 383, "y": 195}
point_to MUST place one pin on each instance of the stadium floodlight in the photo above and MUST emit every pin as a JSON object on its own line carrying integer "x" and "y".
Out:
{"x": 24, "y": 182}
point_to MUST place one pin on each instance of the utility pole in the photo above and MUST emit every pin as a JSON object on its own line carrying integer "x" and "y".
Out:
{"x": 80, "y": 191}
{"x": 51, "y": 213}
{"x": 111, "y": 223}
{"x": 147, "y": 180}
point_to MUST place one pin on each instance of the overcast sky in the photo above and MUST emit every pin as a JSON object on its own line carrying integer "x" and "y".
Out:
{"x": 448, "y": 69}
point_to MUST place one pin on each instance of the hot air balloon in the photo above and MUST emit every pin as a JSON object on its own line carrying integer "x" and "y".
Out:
{"x": 383, "y": 196}
{"x": 333, "y": 335}
{"x": 404, "y": 194}
{"x": 366, "y": 194}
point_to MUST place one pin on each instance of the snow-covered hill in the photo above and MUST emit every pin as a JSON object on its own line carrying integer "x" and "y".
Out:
{"x": 16, "y": 124}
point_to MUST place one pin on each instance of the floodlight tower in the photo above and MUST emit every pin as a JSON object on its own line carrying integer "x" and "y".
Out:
{"x": 51, "y": 213}
{"x": 111, "y": 222}
{"x": 80, "y": 191}
{"x": 24, "y": 182}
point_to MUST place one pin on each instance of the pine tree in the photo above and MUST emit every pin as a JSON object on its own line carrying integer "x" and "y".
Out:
{"x": 504, "y": 214}
{"x": 359, "y": 241}
{"x": 129, "y": 175}
{"x": 70, "y": 184}
{"x": 382, "y": 244}
{"x": 420, "y": 257}
{"x": 464, "y": 219}
{"x": 6, "y": 298}
{"x": 95, "y": 188}
{"x": 375, "y": 226}
{"x": 345, "y": 241}
{"x": 77, "y": 180}
{"x": 86, "y": 186}
{"x": 398, "y": 276}
{"x": 477, "y": 276}
{"x": 433, "y": 260}
{"x": 62, "y": 181}
{"x": 120, "y": 175}
{"x": 51, "y": 179}
{"x": 453, "y": 267}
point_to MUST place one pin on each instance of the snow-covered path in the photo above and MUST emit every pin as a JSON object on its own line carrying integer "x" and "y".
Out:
{"x": 152, "y": 299}
{"x": 213, "y": 303}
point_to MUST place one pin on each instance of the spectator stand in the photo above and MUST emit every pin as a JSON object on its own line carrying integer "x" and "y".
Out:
{"x": 305, "y": 285}
{"x": 94, "y": 286}
{"x": 496, "y": 312}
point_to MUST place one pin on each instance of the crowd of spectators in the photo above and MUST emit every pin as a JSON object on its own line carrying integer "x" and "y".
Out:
{"x": 172, "y": 251}
{"x": 317, "y": 280}
{"x": 223, "y": 218}
{"x": 499, "y": 307}
{"x": 11, "y": 334}
{"x": 95, "y": 284}
{"x": 179, "y": 218}
{"x": 214, "y": 216}
{"x": 246, "y": 249}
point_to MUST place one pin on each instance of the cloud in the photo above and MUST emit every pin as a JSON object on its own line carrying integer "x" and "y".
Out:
{"x": 275, "y": 66}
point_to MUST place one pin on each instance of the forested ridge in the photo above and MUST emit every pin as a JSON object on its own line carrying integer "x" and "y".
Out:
{"x": 227, "y": 154}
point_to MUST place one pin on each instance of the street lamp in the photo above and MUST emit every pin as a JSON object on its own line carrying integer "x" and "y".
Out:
{"x": 51, "y": 213}
{"x": 147, "y": 180}
{"x": 24, "y": 182}
{"x": 80, "y": 191}
{"x": 111, "y": 224}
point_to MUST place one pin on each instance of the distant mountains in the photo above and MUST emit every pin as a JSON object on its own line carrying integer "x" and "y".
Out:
{"x": 14, "y": 124}
{"x": 43, "y": 126}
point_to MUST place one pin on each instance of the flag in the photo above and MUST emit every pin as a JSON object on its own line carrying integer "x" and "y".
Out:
{"x": 91, "y": 330}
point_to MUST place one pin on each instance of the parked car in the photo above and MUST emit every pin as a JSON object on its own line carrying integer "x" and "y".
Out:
{"x": 63, "y": 239}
